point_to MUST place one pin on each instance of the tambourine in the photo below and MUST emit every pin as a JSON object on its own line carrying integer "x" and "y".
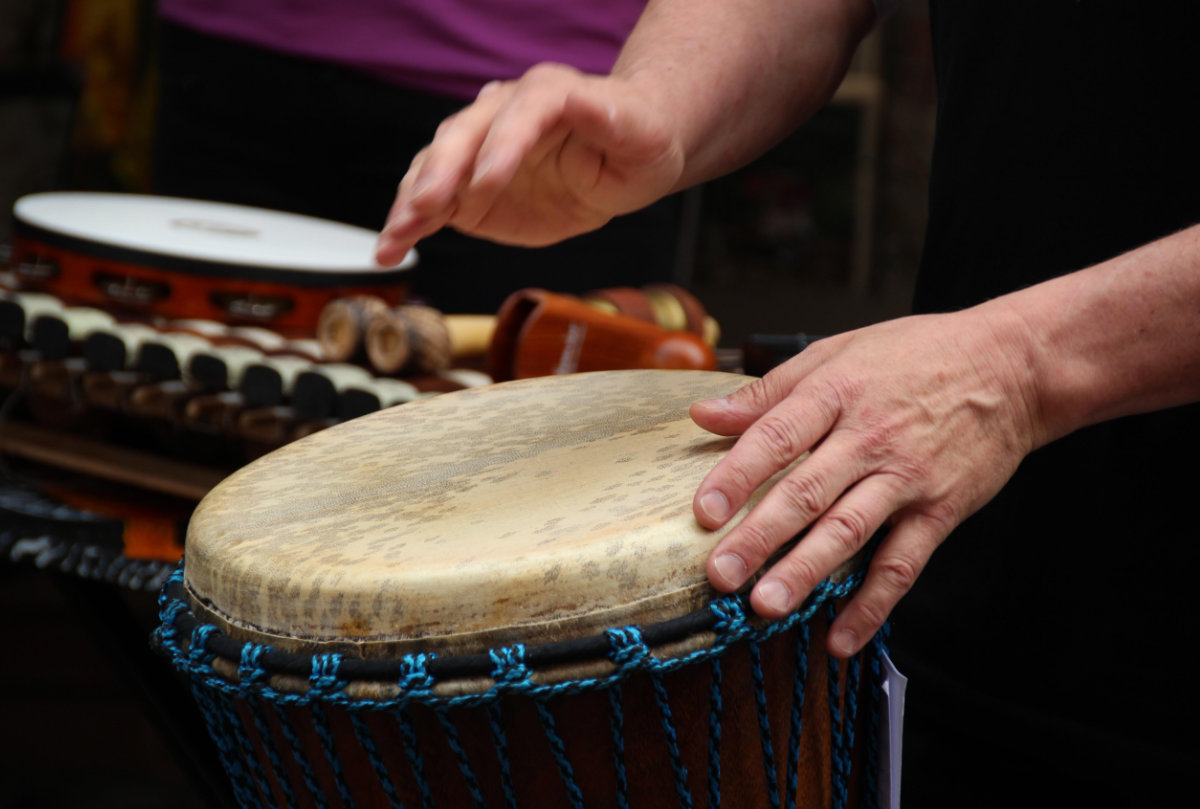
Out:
{"x": 183, "y": 258}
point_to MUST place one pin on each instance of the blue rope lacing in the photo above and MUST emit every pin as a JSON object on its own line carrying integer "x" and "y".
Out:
{"x": 219, "y": 696}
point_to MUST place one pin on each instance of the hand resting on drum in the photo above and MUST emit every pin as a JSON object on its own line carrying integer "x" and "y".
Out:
{"x": 916, "y": 423}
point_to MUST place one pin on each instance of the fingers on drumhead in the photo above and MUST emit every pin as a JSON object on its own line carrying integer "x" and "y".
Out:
{"x": 893, "y": 571}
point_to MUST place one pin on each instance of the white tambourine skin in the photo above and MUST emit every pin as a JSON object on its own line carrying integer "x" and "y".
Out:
{"x": 199, "y": 230}
{"x": 530, "y": 510}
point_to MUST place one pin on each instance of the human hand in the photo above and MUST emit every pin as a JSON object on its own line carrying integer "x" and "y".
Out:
{"x": 534, "y": 161}
{"x": 915, "y": 422}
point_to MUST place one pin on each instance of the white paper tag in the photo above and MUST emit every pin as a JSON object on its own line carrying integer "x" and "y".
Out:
{"x": 891, "y": 734}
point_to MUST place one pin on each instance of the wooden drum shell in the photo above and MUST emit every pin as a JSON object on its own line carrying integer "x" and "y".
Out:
{"x": 583, "y": 722}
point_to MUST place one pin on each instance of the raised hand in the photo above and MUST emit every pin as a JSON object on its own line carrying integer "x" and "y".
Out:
{"x": 534, "y": 161}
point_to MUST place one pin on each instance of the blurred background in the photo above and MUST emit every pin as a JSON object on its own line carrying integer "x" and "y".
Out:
{"x": 819, "y": 236}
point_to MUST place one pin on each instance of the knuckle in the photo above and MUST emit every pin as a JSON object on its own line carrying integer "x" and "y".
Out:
{"x": 847, "y": 528}
{"x": 799, "y": 571}
{"x": 941, "y": 517}
{"x": 778, "y": 439}
{"x": 802, "y": 494}
{"x": 447, "y": 125}
{"x": 755, "y": 543}
{"x": 876, "y": 443}
{"x": 490, "y": 89}
{"x": 763, "y": 394}
{"x": 739, "y": 478}
{"x": 548, "y": 72}
{"x": 898, "y": 572}
{"x": 843, "y": 389}
{"x": 873, "y": 612}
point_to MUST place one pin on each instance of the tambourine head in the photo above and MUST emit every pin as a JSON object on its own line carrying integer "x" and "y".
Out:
{"x": 183, "y": 258}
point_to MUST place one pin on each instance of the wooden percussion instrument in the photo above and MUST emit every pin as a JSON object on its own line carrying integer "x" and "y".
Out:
{"x": 411, "y": 338}
{"x": 539, "y": 333}
{"x": 496, "y": 597}
{"x": 182, "y": 258}
{"x": 667, "y": 305}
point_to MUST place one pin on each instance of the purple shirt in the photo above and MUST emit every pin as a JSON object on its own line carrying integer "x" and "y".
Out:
{"x": 451, "y": 47}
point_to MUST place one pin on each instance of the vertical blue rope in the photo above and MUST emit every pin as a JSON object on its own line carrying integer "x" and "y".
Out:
{"x": 878, "y": 649}
{"x": 512, "y": 674}
{"x": 668, "y": 724}
{"x": 264, "y": 732}
{"x": 306, "y": 771}
{"x": 500, "y": 739}
{"x": 630, "y": 653}
{"x": 796, "y": 732}
{"x": 715, "y": 708}
{"x": 251, "y": 673}
{"x": 617, "y": 726}
{"x": 730, "y": 614}
{"x": 237, "y": 730}
{"x": 764, "y": 724}
{"x": 366, "y": 740}
{"x": 415, "y": 681}
{"x": 853, "y": 678}
{"x": 242, "y": 791}
{"x": 408, "y": 738}
{"x": 565, "y": 771}
{"x": 325, "y": 683}
{"x": 464, "y": 764}
{"x": 200, "y": 658}
{"x": 837, "y": 740}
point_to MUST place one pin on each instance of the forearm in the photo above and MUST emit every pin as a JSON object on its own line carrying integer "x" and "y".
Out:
{"x": 1118, "y": 338}
{"x": 736, "y": 77}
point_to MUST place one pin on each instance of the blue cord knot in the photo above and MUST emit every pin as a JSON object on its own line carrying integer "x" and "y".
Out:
{"x": 415, "y": 679}
{"x": 629, "y": 649}
{"x": 250, "y": 668}
{"x": 324, "y": 680}
{"x": 509, "y": 665}
{"x": 198, "y": 655}
{"x": 731, "y": 615}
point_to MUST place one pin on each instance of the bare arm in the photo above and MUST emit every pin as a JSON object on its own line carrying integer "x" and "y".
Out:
{"x": 701, "y": 87}
{"x": 918, "y": 422}
{"x": 736, "y": 77}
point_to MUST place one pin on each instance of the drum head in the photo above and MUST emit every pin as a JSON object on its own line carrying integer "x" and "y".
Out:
{"x": 532, "y": 511}
{"x": 195, "y": 234}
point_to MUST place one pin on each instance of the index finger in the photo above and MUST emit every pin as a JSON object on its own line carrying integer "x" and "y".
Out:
{"x": 786, "y": 430}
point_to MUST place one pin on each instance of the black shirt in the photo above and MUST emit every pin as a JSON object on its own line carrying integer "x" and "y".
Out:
{"x": 1058, "y": 623}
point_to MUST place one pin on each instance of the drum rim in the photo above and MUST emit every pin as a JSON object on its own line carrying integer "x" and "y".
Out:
{"x": 574, "y": 663}
{"x": 325, "y": 277}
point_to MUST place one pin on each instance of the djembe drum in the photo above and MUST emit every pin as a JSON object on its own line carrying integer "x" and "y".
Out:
{"x": 496, "y": 597}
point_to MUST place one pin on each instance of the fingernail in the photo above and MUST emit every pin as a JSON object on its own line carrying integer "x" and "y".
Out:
{"x": 773, "y": 595}
{"x": 731, "y": 569}
{"x": 844, "y": 642}
{"x": 715, "y": 404}
{"x": 715, "y": 506}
